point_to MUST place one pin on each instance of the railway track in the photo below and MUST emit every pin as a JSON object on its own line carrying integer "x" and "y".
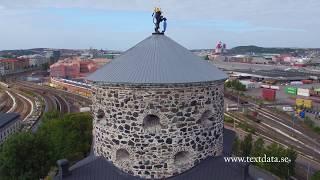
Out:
{"x": 6, "y": 103}
{"x": 296, "y": 126}
{"x": 281, "y": 127}
{"x": 64, "y": 105}
{"x": 23, "y": 107}
{"x": 65, "y": 94}
{"x": 308, "y": 154}
{"x": 64, "y": 98}
{"x": 281, "y": 134}
{"x": 52, "y": 100}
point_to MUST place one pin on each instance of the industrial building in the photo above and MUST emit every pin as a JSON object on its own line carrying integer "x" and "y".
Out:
{"x": 75, "y": 67}
{"x": 53, "y": 56}
{"x": 36, "y": 60}
{"x": 9, "y": 124}
{"x": 13, "y": 65}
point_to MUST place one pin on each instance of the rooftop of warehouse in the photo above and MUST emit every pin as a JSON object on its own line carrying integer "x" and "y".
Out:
{"x": 6, "y": 118}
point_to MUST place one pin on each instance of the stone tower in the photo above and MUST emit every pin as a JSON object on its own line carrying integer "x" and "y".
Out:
{"x": 158, "y": 109}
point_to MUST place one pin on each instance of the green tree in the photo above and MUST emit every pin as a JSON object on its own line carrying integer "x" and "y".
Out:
{"x": 258, "y": 148}
{"x": 51, "y": 115}
{"x": 227, "y": 84}
{"x": 30, "y": 156}
{"x": 236, "y": 85}
{"x": 246, "y": 146}
{"x": 69, "y": 137}
{"x": 281, "y": 169}
{"x": 236, "y": 146}
{"x": 316, "y": 176}
{"x": 206, "y": 57}
{"x": 292, "y": 155}
{"x": 24, "y": 156}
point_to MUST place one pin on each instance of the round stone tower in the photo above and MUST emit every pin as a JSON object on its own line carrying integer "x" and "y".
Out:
{"x": 158, "y": 109}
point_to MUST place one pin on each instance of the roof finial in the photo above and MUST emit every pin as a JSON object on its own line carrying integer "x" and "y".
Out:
{"x": 157, "y": 19}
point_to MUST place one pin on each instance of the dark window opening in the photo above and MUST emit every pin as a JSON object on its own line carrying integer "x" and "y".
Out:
{"x": 182, "y": 158}
{"x": 100, "y": 114}
{"x": 151, "y": 123}
{"x": 206, "y": 118}
{"x": 122, "y": 155}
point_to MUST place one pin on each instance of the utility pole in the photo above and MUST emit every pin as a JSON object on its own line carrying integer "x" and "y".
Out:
{"x": 293, "y": 119}
{"x": 238, "y": 99}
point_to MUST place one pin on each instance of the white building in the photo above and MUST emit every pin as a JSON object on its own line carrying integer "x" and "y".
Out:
{"x": 36, "y": 59}
{"x": 249, "y": 84}
{"x": 9, "y": 124}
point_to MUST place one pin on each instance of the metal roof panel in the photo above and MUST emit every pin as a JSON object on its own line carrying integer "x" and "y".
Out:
{"x": 157, "y": 60}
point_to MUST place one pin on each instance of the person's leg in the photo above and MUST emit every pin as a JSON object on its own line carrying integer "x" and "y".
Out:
{"x": 156, "y": 29}
{"x": 157, "y": 25}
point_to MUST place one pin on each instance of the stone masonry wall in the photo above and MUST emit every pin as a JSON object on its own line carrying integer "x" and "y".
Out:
{"x": 158, "y": 131}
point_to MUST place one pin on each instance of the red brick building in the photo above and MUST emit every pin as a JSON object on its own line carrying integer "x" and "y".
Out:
{"x": 75, "y": 67}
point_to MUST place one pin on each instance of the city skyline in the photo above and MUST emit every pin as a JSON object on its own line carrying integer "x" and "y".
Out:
{"x": 119, "y": 25}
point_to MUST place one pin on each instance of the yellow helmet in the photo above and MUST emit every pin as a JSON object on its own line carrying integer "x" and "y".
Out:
{"x": 157, "y": 9}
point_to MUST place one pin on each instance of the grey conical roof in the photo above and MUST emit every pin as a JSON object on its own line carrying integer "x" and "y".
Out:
{"x": 157, "y": 60}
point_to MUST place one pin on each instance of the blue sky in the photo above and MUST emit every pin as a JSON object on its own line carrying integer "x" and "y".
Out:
{"x": 119, "y": 24}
